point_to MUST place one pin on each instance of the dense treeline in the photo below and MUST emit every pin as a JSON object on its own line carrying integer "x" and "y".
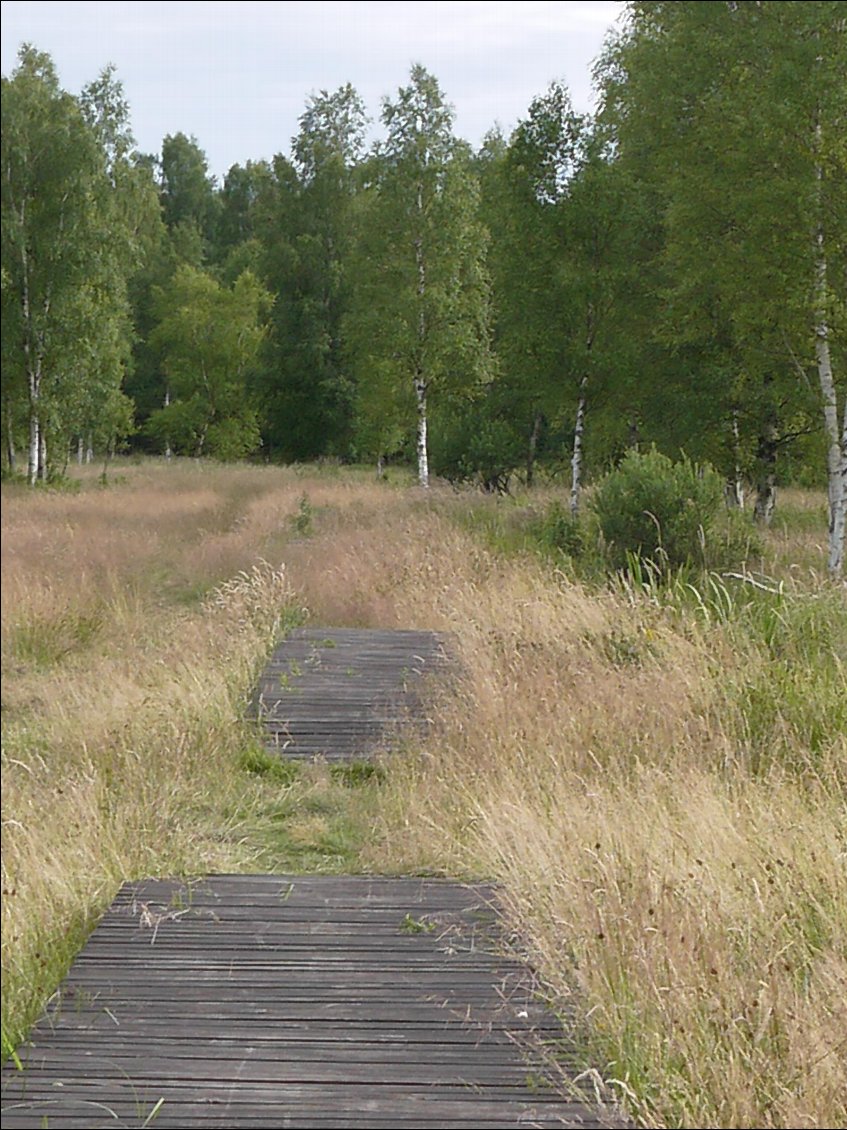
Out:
{"x": 670, "y": 271}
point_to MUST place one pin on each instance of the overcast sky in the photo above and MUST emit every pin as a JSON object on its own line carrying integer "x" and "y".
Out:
{"x": 237, "y": 75}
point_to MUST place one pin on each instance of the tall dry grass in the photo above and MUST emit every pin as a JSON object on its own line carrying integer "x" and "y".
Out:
{"x": 134, "y": 622}
{"x": 657, "y": 782}
{"x": 660, "y": 789}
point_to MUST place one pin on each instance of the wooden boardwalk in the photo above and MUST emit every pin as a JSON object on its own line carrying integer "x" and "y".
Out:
{"x": 343, "y": 694}
{"x": 273, "y": 1001}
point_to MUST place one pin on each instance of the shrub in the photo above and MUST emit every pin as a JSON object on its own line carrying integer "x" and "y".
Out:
{"x": 657, "y": 510}
{"x": 558, "y": 529}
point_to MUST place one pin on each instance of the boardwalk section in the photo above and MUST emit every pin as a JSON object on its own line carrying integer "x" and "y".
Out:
{"x": 343, "y": 694}
{"x": 267, "y": 1001}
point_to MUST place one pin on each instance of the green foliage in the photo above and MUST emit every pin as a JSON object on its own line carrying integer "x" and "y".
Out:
{"x": 357, "y": 773}
{"x": 411, "y": 925}
{"x": 44, "y": 641}
{"x": 418, "y": 323}
{"x": 474, "y": 441}
{"x": 791, "y": 697}
{"x": 304, "y": 216}
{"x": 209, "y": 337}
{"x": 188, "y": 192}
{"x": 558, "y": 529}
{"x": 732, "y": 117}
{"x": 234, "y": 437}
{"x": 72, "y": 205}
{"x": 256, "y": 760}
{"x": 604, "y": 262}
{"x": 304, "y": 517}
{"x": 657, "y": 510}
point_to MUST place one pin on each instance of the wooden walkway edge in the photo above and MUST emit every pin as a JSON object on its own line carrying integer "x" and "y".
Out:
{"x": 274, "y": 1001}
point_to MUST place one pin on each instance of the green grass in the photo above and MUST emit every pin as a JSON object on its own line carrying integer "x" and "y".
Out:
{"x": 310, "y": 818}
{"x": 43, "y": 641}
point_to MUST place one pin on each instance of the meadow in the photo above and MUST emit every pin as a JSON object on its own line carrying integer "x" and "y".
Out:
{"x": 655, "y": 774}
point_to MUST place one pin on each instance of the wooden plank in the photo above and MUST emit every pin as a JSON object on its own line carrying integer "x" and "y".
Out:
{"x": 267, "y": 1021}
{"x": 345, "y": 694}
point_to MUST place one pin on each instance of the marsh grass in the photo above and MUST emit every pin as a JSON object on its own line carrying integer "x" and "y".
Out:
{"x": 654, "y": 774}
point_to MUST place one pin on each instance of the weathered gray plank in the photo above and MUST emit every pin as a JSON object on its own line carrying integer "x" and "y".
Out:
{"x": 344, "y": 694}
{"x": 161, "y": 1014}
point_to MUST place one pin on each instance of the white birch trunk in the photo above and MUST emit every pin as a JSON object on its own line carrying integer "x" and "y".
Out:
{"x": 42, "y": 455}
{"x": 168, "y": 452}
{"x": 766, "y": 483}
{"x": 766, "y": 455}
{"x": 423, "y": 457}
{"x": 201, "y": 441}
{"x": 32, "y": 359}
{"x": 34, "y": 442}
{"x": 836, "y": 450}
{"x": 420, "y": 376}
{"x": 10, "y": 442}
{"x": 836, "y": 446}
{"x": 734, "y": 490}
{"x": 765, "y": 495}
{"x": 89, "y": 448}
{"x": 80, "y": 450}
{"x": 576, "y": 458}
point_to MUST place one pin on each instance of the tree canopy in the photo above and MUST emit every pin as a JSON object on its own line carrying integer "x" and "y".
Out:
{"x": 669, "y": 271}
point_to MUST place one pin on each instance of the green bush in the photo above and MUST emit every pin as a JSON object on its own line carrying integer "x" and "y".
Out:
{"x": 659, "y": 511}
{"x": 558, "y": 529}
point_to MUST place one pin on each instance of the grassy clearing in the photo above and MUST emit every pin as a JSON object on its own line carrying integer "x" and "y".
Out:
{"x": 657, "y": 777}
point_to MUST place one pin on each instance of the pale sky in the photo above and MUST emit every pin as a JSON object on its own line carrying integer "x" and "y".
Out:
{"x": 237, "y": 75}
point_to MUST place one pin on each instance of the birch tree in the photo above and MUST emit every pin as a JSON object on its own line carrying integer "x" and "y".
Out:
{"x": 66, "y": 248}
{"x": 420, "y": 322}
{"x": 739, "y": 108}
{"x": 566, "y": 260}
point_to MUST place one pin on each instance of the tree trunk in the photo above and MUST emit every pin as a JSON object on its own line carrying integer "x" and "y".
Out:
{"x": 735, "y": 484}
{"x": 34, "y": 432}
{"x": 533, "y": 448}
{"x": 576, "y": 458}
{"x": 32, "y": 462}
{"x": 80, "y": 450}
{"x": 168, "y": 452}
{"x": 89, "y": 448}
{"x": 420, "y": 375}
{"x": 42, "y": 455}
{"x": 380, "y": 467}
{"x": 11, "y": 454}
{"x": 836, "y": 446}
{"x": 423, "y": 458}
{"x": 766, "y": 467}
{"x": 201, "y": 441}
